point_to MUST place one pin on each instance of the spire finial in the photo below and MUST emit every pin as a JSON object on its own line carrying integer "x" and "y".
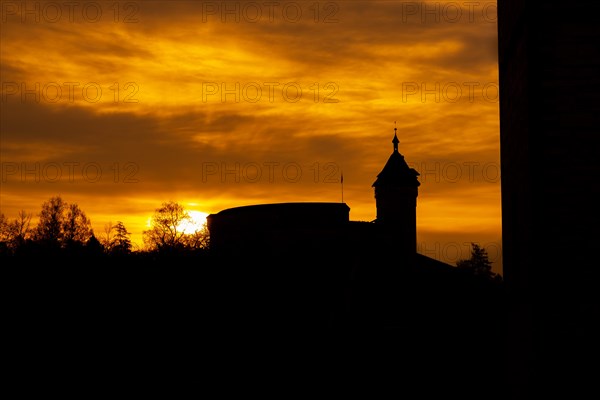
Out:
{"x": 395, "y": 141}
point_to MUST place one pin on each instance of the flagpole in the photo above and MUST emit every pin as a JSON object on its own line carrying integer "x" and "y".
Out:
{"x": 342, "y": 181}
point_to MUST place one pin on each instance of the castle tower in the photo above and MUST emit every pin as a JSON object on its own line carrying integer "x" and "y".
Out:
{"x": 396, "y": 190}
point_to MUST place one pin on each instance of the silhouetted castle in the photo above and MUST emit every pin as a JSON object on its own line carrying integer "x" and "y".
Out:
{"x": 315, "y": 226}
{"x": 306, "y": 268}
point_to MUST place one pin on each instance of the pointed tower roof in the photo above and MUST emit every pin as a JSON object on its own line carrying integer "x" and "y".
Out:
{"x": 395, "y": 141}
{"x": 396, "y": 171}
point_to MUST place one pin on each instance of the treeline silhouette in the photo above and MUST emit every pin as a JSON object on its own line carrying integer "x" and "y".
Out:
{"x": 330, "y": 308}
{"x": 63, "y": 232}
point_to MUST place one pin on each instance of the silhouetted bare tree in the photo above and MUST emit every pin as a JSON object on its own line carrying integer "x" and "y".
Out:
{"x": 166, "y": 232}
{"x": 62, "y": 224}
{"x": 200, "y": 239}
{"x": 49, "y": 228}
{"x": 20, "y": 228}
{"x": 76, "y": 226}
{"x": 14, "y": 234}
{"x": 4, "y": 233}
{"x": 107, "y": 238}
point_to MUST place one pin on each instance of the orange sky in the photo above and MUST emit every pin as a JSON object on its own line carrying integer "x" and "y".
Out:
{"x": 220, "y": 104}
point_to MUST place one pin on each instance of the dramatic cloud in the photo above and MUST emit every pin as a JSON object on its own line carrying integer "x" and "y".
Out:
{"x": 119, "y": 106}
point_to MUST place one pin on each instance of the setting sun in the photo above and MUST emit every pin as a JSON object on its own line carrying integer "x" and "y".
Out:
{"x": 219, "y": 110}
{"x": 195, "y": 223}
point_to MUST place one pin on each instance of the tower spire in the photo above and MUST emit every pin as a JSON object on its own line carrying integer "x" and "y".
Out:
{"x": 396, "y": 192}
{"x": 395, "y": 141}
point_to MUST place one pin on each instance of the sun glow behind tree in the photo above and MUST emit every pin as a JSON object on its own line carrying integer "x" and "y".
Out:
{"x": 195, "y": 222}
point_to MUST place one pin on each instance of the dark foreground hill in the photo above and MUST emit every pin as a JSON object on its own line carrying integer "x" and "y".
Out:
{"x": 275, "y": 318}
